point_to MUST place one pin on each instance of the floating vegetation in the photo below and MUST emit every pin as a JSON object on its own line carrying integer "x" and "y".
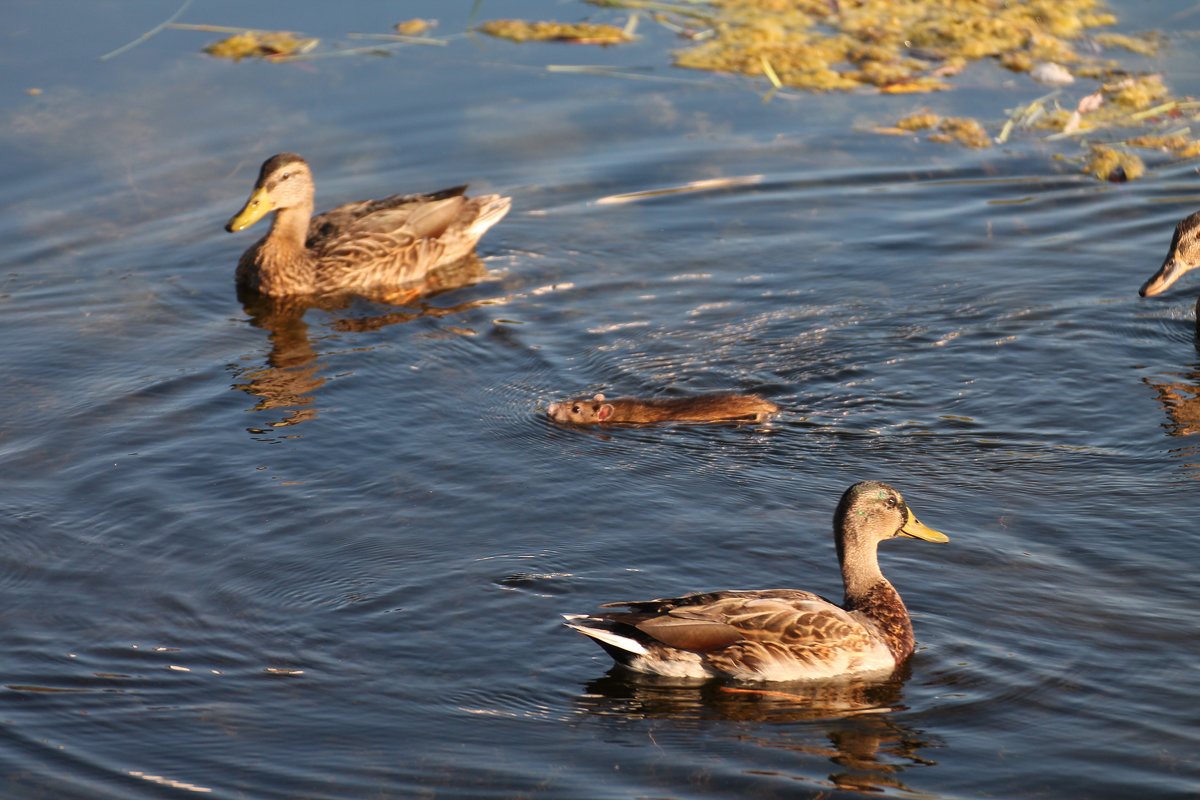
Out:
{"x": 415, "y": 27}
{"x": 1136, "y": 93}
{"x": 1103, "y": 108}
{"x": 1110, "y": 164}
{"x": 575, "y": 33}
{"x": 260, "y": 44}
{"x": 962, "y": 130}
{"x": 912, "y": 44}
{"x": 921, "y": 121}
{"x": 918, "y": 46}
{"x": 1146, "y": 44}
{"x": 1180, "y": 145}
{"x": 951, "y": 130}
{"x": 1121, "y": 109}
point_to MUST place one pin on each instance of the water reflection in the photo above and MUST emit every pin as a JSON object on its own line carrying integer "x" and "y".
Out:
{"x": 1180, "y": 400}
{"x": 291, "y": 375}
{"x": 1181, "y": 403}
{"x": 851, "y": 724}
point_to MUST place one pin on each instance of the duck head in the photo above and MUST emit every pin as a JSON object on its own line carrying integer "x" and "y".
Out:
{"x": 1183, "y": 257}
{"x": 285, "y": 181}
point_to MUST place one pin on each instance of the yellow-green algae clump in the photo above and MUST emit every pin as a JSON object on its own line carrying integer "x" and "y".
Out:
{"x": 1178, "y": 144}
{"x": 1110, "y": 164}
{"x": 962, "y": 130}
{"x": 576, "y": 33}
{"x": 1146, "y": 44}
{"x": 896, "y": 45}
{"x": 260, "y": 44}
{"x": 957, "y": 130}
{"x": 920, "y": 121}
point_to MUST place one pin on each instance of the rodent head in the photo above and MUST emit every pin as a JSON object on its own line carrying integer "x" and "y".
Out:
{"x": 582, "y": 411}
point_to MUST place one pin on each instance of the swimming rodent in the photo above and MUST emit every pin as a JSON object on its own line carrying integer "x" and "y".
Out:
{"x": 630, "y": 410}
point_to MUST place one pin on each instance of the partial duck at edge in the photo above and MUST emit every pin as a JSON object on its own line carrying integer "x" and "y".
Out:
{"x": 1183, "y": 257}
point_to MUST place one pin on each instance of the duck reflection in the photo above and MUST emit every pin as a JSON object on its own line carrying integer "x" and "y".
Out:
{"x": 1180, "y": 400}
{"x": 291, "y": 376}
{"x": 858, "y": 734}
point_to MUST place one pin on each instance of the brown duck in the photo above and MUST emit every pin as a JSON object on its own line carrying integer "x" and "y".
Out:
{"x": 779, "y": 634}
{"x": 368, "y": 247}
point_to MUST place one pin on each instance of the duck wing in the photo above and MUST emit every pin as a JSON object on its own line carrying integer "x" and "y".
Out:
{"x": 336, "y": 221}
{"x": 773, "y": 634}
{"x": 386, "y": 242}
{"x": 779, "y": 615}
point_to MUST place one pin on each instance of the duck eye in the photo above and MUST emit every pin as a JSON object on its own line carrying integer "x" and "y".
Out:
{"x": 891, "y": 502}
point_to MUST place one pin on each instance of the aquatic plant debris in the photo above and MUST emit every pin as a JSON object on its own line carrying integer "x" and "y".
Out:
{"x": 260, "y": 44}
{"x": 920, "y": 46}
{"x": 913, "y": 44}
{"x": 962, "y": 130}
{"x": 965, "y": 131}
{"x": 1110, "y": 164}
{"x": 575, "y": 33}
{"x": 415, "y": 27}
{"x": 1129, "y": 103}
{"x": 887, "y": 46}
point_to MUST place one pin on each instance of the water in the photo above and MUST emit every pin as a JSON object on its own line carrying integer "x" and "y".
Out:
{"x": 323, "y": 556}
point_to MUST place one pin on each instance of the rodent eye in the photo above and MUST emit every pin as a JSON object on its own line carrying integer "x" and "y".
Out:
{"x": 575, "y": 408}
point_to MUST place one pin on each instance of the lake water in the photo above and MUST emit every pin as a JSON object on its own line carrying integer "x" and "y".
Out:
{"x": 323, "y": 556}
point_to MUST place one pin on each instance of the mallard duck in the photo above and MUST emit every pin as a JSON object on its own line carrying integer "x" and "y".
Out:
{"x": 779, "y": 634}
{"x": 1183, "y": 257}
{"x": 362, "y": 247}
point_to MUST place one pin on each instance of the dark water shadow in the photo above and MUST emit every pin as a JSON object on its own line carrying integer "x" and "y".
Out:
{"x": 291, "y": 377}
{"x": 852, "y": 724}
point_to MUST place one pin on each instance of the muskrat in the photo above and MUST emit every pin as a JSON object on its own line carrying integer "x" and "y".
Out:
{"x": 630, "y": 410}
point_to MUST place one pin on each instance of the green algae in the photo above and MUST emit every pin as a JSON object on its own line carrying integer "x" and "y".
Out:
{"x": 576, "y": 33}
{"x": 962, "y": 130}
{"x": 920, "y": 121}
{"x": 1111, "y": 164}
{"x": 1145, "y": 44}
{"x": 823, "y": 46}
{"x": 260, "y": 44}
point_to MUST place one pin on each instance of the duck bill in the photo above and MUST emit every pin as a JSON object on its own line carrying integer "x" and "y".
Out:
{"x": 1162, "y": 280}
{"x": 916, "y": 529}
{"x": 257, "y": 207}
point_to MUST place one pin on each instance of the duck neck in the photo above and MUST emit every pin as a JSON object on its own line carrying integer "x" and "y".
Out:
{"x": 285, "y": 265}
{"x": 857, "y": 556}
{"x": 289, "y": 229}
{"x": 872, "y": 595}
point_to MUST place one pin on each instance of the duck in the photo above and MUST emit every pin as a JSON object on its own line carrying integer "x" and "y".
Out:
{"x": 365, "y": 247}
{"x": 1183, "y": 257}
{"x": 775, "y": 635}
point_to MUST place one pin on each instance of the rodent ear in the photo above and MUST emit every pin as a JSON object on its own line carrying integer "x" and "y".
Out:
{"x": 605, "y": 411}
{"x": 599, "y": 398}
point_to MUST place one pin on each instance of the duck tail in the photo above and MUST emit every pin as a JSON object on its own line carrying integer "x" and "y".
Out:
{"x": 617, "y": 645}
{"x": 492, "y": 208}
